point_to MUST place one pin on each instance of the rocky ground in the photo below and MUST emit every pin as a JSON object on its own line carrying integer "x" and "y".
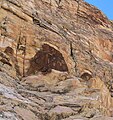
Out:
{"x": 56, "y": 61}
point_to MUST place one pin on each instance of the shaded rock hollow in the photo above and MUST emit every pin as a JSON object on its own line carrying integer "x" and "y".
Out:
{"x": 46, "y": 59}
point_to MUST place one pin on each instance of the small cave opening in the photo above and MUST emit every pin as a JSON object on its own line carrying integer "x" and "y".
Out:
{"x": 46, "y": 59}
{"x": 86, "y": 76}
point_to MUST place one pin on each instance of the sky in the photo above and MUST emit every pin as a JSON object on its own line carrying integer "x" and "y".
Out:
{"x": 106, "y": 6}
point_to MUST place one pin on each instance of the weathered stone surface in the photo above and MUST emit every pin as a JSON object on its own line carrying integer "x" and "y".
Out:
{"x": 96, "y": 83}
{"x": 66, "y": 86}
{"x": 46, "y": 59}
{"x": 102, "y": 118}
{"x": 50, "y": 79}
{"x": 60, "y": 112}
{"x": 56, "y": 61}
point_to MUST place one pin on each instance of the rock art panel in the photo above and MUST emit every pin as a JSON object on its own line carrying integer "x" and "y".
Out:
{"x": 46, "y": 59}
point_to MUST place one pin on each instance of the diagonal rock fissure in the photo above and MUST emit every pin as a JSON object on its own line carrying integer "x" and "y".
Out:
{"x": 38, "y": 22}
{"x": 16, "y": 3}
{"x": 9, "y": 10}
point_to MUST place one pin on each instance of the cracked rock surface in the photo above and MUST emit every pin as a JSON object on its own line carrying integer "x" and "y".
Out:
{"x": 56, "y": 61}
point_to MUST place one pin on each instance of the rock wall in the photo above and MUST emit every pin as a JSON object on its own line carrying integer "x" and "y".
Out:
{"x": 55, "y": 61}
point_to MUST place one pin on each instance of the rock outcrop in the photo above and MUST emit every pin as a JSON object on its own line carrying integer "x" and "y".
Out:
{"x": 56, "y": 61}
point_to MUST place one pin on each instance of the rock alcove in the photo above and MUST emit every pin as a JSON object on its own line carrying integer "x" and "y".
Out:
{"x": 86, "y": 75}
{"x": 46, "y": 59}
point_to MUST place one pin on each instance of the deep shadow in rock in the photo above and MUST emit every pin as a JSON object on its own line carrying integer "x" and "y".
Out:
{"x": 46, "y": 59}
{"x": 86, "y": 76}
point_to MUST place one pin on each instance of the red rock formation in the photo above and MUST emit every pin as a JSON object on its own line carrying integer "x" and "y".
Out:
{"x": 79, "y": 37}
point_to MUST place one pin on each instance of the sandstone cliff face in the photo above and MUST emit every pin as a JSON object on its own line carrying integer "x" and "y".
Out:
{"x": 56, "y": 61}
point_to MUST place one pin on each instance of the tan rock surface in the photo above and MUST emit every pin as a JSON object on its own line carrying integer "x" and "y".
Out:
{"x": 55, "y": 61}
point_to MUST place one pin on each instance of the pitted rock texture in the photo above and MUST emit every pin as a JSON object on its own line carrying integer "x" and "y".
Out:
{"x": 56, "y": 61}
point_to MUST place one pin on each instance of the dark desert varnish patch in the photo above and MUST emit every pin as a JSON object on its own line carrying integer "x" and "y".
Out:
{"x": 9, "y": 51}
{"x": 46, "y": 59}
